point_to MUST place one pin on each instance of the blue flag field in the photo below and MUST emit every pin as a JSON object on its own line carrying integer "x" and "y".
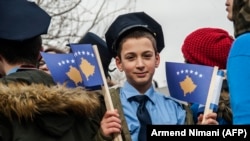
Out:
{"x": 79, "y": 68}
{"x": 189, "y": 82}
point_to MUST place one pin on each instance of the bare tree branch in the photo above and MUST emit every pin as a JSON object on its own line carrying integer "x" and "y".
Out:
{"x": 71, "y": 19}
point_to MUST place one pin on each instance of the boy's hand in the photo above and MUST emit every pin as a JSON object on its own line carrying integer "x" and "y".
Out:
{"x": 210, "y": 119}
{"x": 111, "y": 123}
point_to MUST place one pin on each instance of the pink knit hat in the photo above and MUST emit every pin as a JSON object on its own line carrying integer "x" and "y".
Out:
{"x": 207, "y": 46}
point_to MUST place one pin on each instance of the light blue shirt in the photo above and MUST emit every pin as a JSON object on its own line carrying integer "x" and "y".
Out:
{"x": 13, "y": 70}
{"x": 162, "y": 109}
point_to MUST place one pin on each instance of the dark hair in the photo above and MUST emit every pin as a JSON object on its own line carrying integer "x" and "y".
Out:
{"x": 25, "y": 52}
{"x": 135, "y": 33}
{"x": 225, "y": 86}
{"x": 54, "y": 49}
{"x": 237, "y": 5}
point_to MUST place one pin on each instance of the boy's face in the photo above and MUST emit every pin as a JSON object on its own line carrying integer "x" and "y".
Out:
{"x": 138, "y": 61}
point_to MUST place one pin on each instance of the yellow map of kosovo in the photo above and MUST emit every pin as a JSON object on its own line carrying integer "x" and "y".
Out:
{"x": 87, "y": 68}
{"x": 74, "y": 75}
{"x": 187, "y": 85}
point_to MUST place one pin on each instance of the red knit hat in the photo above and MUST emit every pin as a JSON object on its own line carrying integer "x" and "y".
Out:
{"x": 207, "y": 46}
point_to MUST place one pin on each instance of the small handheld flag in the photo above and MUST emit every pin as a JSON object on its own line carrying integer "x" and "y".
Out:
{"x": 195, "y": 84}
{"x": 63, "y": 69}
{"x": 214, "y": 93}
{"x": 188, "y": 82}
{"x": 87, "y": 64}
{"x": 79, "y": 68}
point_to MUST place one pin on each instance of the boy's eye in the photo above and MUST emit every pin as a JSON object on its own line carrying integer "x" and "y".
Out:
{"x": 148, "y": 55}
{"x": 129, "y": 57}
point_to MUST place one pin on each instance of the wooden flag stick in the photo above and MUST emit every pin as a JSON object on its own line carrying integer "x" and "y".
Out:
{"x": 105, "y": 88}
{"x": 210, "y": 94}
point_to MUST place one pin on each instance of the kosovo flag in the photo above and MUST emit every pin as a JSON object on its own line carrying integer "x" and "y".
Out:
{"x": 87, "y": 64}
{"x": 189, "y": 82}
{"x": 63, "y": 69}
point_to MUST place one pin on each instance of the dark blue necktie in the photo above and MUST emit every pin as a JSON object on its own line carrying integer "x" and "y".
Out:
{"x": 142, "y": 115}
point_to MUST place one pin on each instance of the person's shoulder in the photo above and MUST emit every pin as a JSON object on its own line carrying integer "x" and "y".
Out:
{"x": 240, "y": 45}
{"x": 168, "y": 97}
{"x": 182, "y": 106}
{"x": 115, "y": 92}
{"x": 29, "y": 76}
{"x": 117, "y": 86}
{"x": 242, "y": 38}
{"x": 172, "y": 100}
{"x": 115, "y": 89}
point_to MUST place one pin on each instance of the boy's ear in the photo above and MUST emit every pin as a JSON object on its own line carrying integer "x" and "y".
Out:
{"x": 118, "y": 63}
{"x": 157, "y": 60}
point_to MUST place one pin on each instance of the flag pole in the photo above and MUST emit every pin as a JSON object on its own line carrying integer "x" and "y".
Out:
{"x": 105, "y": 88}
{"x": 211, "y": 94}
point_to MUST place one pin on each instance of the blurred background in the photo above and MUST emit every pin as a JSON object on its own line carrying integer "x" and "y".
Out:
{"x": 71, "y": 19}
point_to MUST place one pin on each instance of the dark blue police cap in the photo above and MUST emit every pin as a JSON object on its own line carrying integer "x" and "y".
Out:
{"x": 127, "y": 22}
{"x": 91, "y": 38}
{"x": 21, "y": 20}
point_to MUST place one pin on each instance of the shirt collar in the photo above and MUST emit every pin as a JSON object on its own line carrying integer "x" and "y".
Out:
{"x": 130, "y": 91}
{"x": 15, "y": 69}
{"x": 12, "y": 70}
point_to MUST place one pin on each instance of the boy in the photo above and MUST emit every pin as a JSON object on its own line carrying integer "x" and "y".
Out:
{"x": 135, "y": 40}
